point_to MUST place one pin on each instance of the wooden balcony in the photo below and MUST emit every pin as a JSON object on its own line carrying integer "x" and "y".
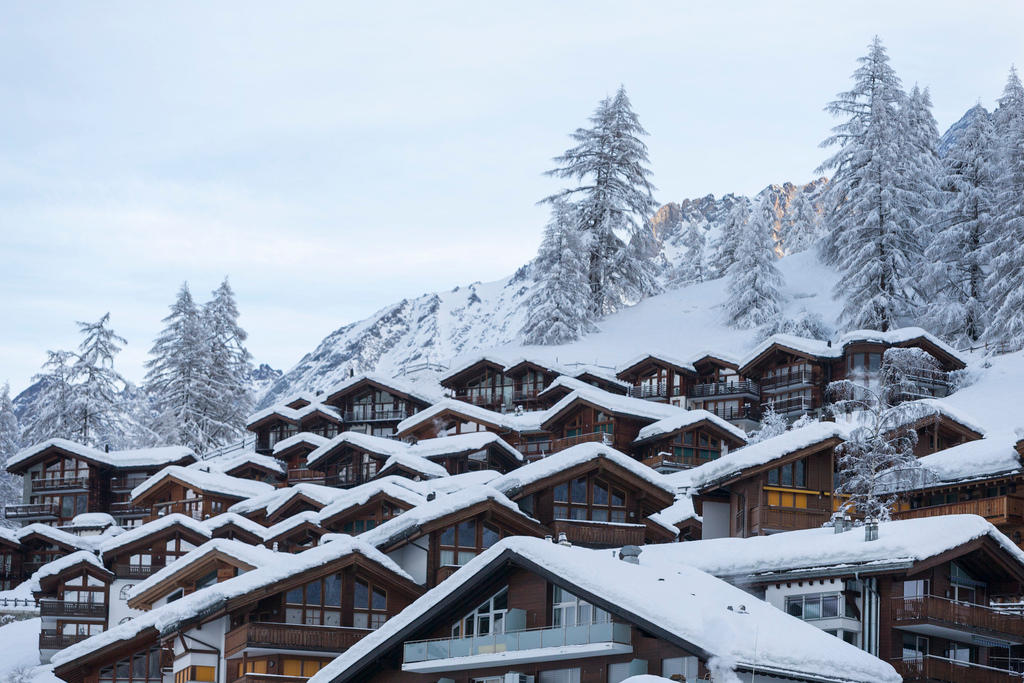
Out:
{"x": 790, "y": 380}
{"x": 302, "y": 475}
{"x": 32, "y": 511}
{"x": 746, "y": 387}
{"x": 998, "y": 510}
{"x": 64, "y": 608}
{"x": 592, "y": 437}
{"x": 60, "y": 484}
{"x": 599, "y": 534}
{"x": 136, "y": 571}
{"x": 122, "y": 484}
{"x": 128, "y": 509}
{"x": 291, "y": 637}
{"x": 669, "y": 462}
{"x": 651, "y": 391}
{"x": 54, "y": 640}
{"x": 535, "y": 449}
{"x": 376, "y": 415}
{"x": 790, "y": 406}
{"x": 191, "y": 507}
{"x": 967, "y": 618}
{"x": 931, "y": 669}
{"x": 779, "y": 518}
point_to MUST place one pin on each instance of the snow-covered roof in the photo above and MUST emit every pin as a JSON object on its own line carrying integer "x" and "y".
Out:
{"x": 822, "y": 550}
{"x": 462, "y": 367}
{"x": 296, "y": 520}
{"x": 684, "y": 419}
{"x": 703, "y": 612}
{"x": 398, "y": 488}
{"x": 900, "y": 335}
{"x": 323, "y": 495}
{"x": 994, "y": 455}
{"x": 401, "y": 386}
{"x": 920, "y": 409}
{"x": 456, "y": 482}
{"x": 614, "y": 403}
{"x": 309, "y": 438}
{"x": 60, "y": 536}
{"x": 156, "y": 526}
{"x": 678, "y": 512}
{"x": 238, "y": 520}
{"x": 367, "y": 442}
{"x": 210, "y": 482}
{"x": 573, "y": 456}
{"x": 251, "y": 555}
{"x": 66, "y": 562}
{"x": 758, "y": 454}
{"x": 459, "y": 443}
{"x": 669, "y": 360}
{"x": 91, "y": 520}
{"x": 443, "y": 505}
{"x": 167, "y": 618}
{"x": 136, "y": 457}
{"x": 529, "y": 421}
{"x": 414, "y": 463}
{"x": 293, "y": 414}
{"x": 231, "y": 461}
{"x": 606, "y": 374}
{"x": 707, "y": 353}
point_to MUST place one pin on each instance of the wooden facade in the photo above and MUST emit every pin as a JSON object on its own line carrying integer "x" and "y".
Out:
{"x": 73, "y": 605}
{"x": 482, "y": 383}
{"x": 356, "y": 519}
{"x": 658, "y": 379}
{"x": 373, "y": 407}
{"x": 145, "y": 556}
{"x": 584, "y": 421}
{"x": 687, "y": 447}
{"x": 174, "y": 496}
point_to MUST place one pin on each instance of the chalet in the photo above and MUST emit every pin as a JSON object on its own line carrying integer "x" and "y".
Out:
{"x": 412, "y": 467}
{"x": 11, "y": 573}
{"x": 235, "y": 527}
{"x": 74, "y": 597}
{"x": 63, "y": 479}
{"x": 938, "y": 425}
{"x": 720, "y": 389}
{"x": 431, "y": 541}
{"x": 369, "y": 505}
{"x": 295, "y": 534}
{"x": 917, "y": 593}
{"x": 594, "y": 495}
{"x": 42, "y": 544}
{"x": 297, "y": 499}
{"x": 192, "y": 492}
{"x": 793, "y": 373}
{"x": 657, "y": 378}
{"x": 480, "y": 382}
{"x": 246, "y": 465}
{"x": 688, "y": 439}
{"x": 528, "y": 379}
{"x": 984, "y": 478}
{"x": 283, "y": 620}
{"x": 137, "y": 554}
{"x": 780, "y": 484}
{"x": 351, "y": 459}
{"x": 528, "y": 609}
{"x": 294, "y": 452}
{"x": 215, "y": 561}
{"x": 374, "y": 405}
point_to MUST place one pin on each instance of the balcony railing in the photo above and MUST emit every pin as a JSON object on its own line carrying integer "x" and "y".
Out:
{"x": 377, "y": 415}
{"x": 32, "y": 511}
{"x": 744, "y": 387}
{"x": 535, "y": 449}
{"x": 292, "y": 637}
{"x": 481, "y": 398}
{"x": 789, "y": 406}
{"x": 126, "y": 483}
{"x": 650, "y": 391}
{"x": 128, "y": 509}
{"x": 269, "y": 678}
{"x": 136, "y": 571}
{"x": 592, "y": 437}
{"x": 787, "y": 518}
{"x": 191, "y": 507}
{"x": 515, "y": 641}
{"x": 787, "y": 380}
{"x": 671, "y": 461}
{"x": 929, "y": 668}
{"x": 954, "y": 614}
{"x": 302, "y": 474}
{"x": 604, "y": 534}
{"x": 54, "y": 640}
{"x": 730, "y": 413}
{"x": 1000, "y": 509}
{"x": 65, "y": 608}
{"x": 60, "y": 483}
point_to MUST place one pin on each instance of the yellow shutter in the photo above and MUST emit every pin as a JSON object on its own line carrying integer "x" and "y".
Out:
{"x": 292, "y": 667}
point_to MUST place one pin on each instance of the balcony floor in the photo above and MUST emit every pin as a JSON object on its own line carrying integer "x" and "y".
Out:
{"x": 515, "y": 657}
{"x": 964, "y": 634}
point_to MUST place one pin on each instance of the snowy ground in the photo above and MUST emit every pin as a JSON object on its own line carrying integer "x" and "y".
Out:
{"x": 19, "y": 643}
{"x": 990, "y": 398}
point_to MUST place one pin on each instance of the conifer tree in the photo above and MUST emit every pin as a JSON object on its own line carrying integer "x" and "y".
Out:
{"x": 10, "y": 443}
{"x": 1005, "y": 280}
{"x": 557, "y": 312}
{"x": 52, "y": 410}
{"x": 97, "y": 410}
{"x": 872, "y": 237}
{"x": 693, "y": 267}
{"x": 614, "y": 199}
{"x": 230, "y": 365}
{"x": 956, "y": 258}
{"x": 724, "y": 247}
{"x": 754, "y": 281}
{"x": 801, "y": 224}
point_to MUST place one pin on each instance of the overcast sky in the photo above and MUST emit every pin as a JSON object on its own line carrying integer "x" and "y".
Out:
{"x": 333, "y": 158}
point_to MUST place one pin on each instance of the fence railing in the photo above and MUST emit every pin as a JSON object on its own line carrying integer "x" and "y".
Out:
{"x": 648, "y": 391}
{"x": 745, "y": 387}
{"x": 964, "y": 615}
{"x": 31, "y": 510}
{"x": 999, "y": 508}
{"x": 378, "y": 415}
{"x": 67, "y": 608}
{"x": 59, "y": 483}
{"x": 786, "y": 406}
{"x": 789, "y": 379}
{"x": 54, "y": 640}
{"x": 599, "y": 437}
{"x": 292, "y": 637}
{"x": 19, "y": 603}
{"x": 932, "y": 669}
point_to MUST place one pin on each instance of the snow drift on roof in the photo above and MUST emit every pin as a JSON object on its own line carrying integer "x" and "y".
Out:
{"x": 252, "y": 555}
{"x": 456, "y": 482}
{"x": 83, "y": 542}
{"x": 61, "y": 563}
{"x": 529, "y": 421}
{"x": 909, "y": 540}
{"x": 571, "y": 457}
{"x": 324, "y": 495}
{"x": 210, "y": 482}
{"x": 238, "y": 520}
{"x": 225, "y": 463}
{"x": 136, "y": 457}
{"x": 314, "y": 440}
{"x": 398, "y": 488}
{"x": 614, "y": 403}
{"x": 298, "y": 519}
{"x": 685, "y": 418}
{"x": 995, "y": 454}
{"x": 473, "y": 360}
{"x": 91, "y": 520}
{"x": 411, "y": 389}
{"x": 156, "y": 526}
{"x": 415, "y": 463}
{"x": 676, "y": 513}
{"x": 703, "y": 611}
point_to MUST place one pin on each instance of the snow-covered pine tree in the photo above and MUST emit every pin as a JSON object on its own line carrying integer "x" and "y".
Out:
{"x": 97, "y": 409}
{"x": 879, "y": 452}
{"x": 922, "y": 167}
{"x": 614, "y": 199}
{"x": 800, "y": 228}
{"x": 51, "y": 411}
{"x": 772, "y": 424}
{"x": 557, "y": 312}
{"x": 230, "y": 365}
{"x": 1005, "y": 281}
{"x": 754, "y": 297}
{"x": 870, "y": 234}
{"x": 724, "y": 246}
{"x": 10, "y": 443}
{"x": 957, "y": 257}
{"x": 177, "y": 380}
{"x": 693, "y": 267}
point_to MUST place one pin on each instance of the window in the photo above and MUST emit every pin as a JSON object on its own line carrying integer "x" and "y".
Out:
{"x": 316, "y": 603}
{"x": 303, "y": 668}
{"x": 141, "y": 667}
{"x": 915, "y": 589}
{"x": 589, "y": 498}
{"x": 964, "y": 587}
{"x": 790, "y": 475}
{"x": 202, "y": 674}
{"x": 370, "y": 604}
{"x": 568, "y": 610}
{"x": 559, "y": 676}
{"x": 125, "y": 591}
{"x": 461, "y": 542}
{"x": 684, "y": 667}
{"x": 487, "y": 618}
{"x": 815, "y": 606}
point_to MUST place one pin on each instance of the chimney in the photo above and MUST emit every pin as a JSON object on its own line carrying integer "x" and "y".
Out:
{"x": 432, "y": 495}
{"x": 549, "y": 538}
{"x": 870, "y": 529}
{"x": 630, "y": 554}
{"x": 840, "y": 522}
{"x": 562, "y": 539}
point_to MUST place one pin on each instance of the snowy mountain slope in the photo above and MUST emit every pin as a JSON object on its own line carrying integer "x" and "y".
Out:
{"x": 950, "y": 137}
